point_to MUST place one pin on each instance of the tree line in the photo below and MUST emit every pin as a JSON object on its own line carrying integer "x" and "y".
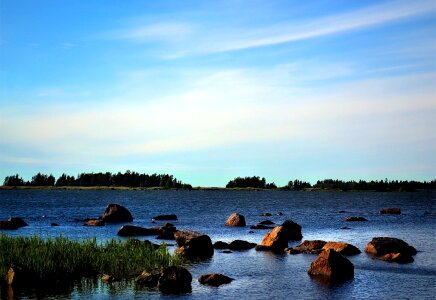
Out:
{"x": 334, "y": 184}
{"x": 127, "y": 179}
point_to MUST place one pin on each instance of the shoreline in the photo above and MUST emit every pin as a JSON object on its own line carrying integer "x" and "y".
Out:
{"x": 125, "y": 188}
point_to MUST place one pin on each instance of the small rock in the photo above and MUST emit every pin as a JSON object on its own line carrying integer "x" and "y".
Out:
{"x": 390, "y": 211}
{"x": 214, "y": 279}
{"x": 309, "y": 247}
{"x": 355, "y": 219}
{"x": 236, "y": 219}
{"x": 165, "y": 217}
{"x": 266, "y": 214}
{"x": 97, "y": 222}
{"x": 148, "y": 278}
{"x": 227, "y": 251}
{"x": 220, "y": 245}
{"x": 260, "y": 226}
{"x": 280, "y": 213}
{"x": 107, "y": 278}
{"x": 266, "y": 222}
{"x": 54, "y": 224}
{"x": 345, "y": 227}
{"x": 241, "y": 245}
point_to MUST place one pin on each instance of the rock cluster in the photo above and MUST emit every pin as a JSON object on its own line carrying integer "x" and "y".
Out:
{"x": 390, "y": 249}
{"x": 170, "y": 280}
{"x": 193, "y": 245}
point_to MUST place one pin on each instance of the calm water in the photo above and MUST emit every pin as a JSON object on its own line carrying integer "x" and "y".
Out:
{"x": 257, "y": 275}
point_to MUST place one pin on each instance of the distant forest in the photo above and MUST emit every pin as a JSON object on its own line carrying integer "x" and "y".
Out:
{"x": 165, "y": 181}
{"x": 127, "y": 179}
{"x": 332, "y": 184}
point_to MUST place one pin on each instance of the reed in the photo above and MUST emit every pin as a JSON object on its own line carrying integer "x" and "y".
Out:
{"x": 61, "y": 258}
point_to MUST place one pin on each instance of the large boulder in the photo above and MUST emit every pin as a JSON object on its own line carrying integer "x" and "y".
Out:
{"x": 390, "y": 249}
{"x": 308, "y": 247}
{"x": 276, "y": 240}
{"x": 236, "y": 219}
{"x": 342, "y": 248}
{"x": 214, "y": 279}
{"x": 331, "y": 266}
{"x": 174, "y": 280}
{"x": 391, "y": 211}
{"x": 12, "y": 223}
{"x": 193, "y": 244}
{"x": 293, "y": 230}
{"x": 115, "y": 213}
{"x": 165, "y": 217}
{"x": 131, "y": 230}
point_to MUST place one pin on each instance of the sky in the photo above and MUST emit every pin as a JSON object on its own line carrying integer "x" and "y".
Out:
{"x": 211, "y": 90}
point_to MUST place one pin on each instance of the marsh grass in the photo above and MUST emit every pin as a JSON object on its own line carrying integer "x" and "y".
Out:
{"x": 61, "y": 258}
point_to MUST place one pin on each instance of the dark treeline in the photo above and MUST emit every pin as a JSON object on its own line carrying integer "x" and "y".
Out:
{"x": 127, "y": 179}
{"x": 332, "y": 184}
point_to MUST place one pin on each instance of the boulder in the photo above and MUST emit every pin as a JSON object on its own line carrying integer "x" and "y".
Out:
{"x": 331, "y": 266}
{"x": 148, "y": 278}
{"x": 309, "y": 247}
{"x": 355, "y": 219}
{"x": 214, "y": 279}
{"x": 239, "y": 245}
{"x": 342, "y": 248}
{"x": 276, "y": 239}
{"x": 236, "y": 219}
{"x": 12, "y": 223}
{"x": 293, "y": 230}
{"x": 174, "y": 280}
{"x": 391, "y": 211}
{"x": 165, "y": 217}
{"x": 97, "y": 222}
{"x": 193, "y": 244}
{"x": 131, "y": 230}
{"x": 115, "y": 213}
{"x": 380, "y": 246}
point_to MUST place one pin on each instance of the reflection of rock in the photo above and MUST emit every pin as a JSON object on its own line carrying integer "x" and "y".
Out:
{"x": 390, "y": 249}
{"x": 355, "y": 219}
{"x": 342, "y": 248}
{"x": 115, "y": 213}
{"x": 391, "y": 211}
{"x": 193, "y": 245}
{"x": 214, "y": 279}
{"x": 332, "y": 267}
{"x": 236, "y": 219}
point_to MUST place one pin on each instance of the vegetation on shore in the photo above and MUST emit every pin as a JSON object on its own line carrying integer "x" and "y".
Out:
{"x": 133, "y": 180}
{"x": 56, "y": 259}
{"x": 107, "y": 179}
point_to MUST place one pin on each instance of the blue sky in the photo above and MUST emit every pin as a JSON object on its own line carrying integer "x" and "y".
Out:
{"x": 211, "y": 90}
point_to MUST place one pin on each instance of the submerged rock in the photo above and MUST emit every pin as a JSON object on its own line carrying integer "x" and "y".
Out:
{"x": 331, "y": 266}
{"x": 115, "y": 213}
{"x": 193, "y": 244}
{"x": 391, "y": 211}
{"x": 261, "y": 226}
{"x": 342, "y": 248}
{"x": 214, "y": 279}
{"x": 236, "y": 219}
{"x": 97, "y": 222}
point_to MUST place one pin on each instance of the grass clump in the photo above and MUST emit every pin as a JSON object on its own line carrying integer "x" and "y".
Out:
{"x": 61, "y": 258}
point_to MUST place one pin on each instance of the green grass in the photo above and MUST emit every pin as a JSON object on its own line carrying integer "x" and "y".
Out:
{"x": 62, "y": 258}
